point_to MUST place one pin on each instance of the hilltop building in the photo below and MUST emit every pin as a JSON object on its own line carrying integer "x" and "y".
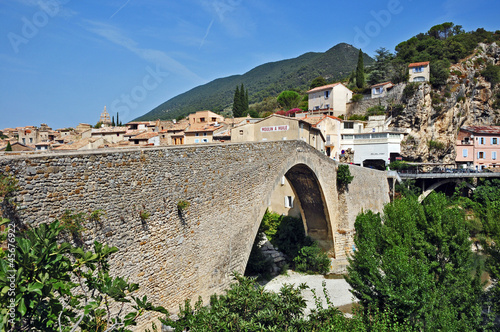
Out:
{"x": 419, "y": 72}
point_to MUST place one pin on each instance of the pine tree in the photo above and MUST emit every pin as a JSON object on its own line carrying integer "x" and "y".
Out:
{"x": 236, "y": 102}
{"x": 360, "y": 71}
{"x": 8, "y": 147}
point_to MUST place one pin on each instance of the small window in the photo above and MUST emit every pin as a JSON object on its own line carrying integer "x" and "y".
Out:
{"x": 289, "y": 202}
{"x": 481, "y": 140}
{"x": 31, "y": 139}
{"x": 348, "y": 125}
{"x": 197, "y": 134}
{"x": 241, "y": 132}
{"x": 494, "y": 140}
{"x": 480, "y": 155}
{"x": 205, "y": 140}
{"x": 465, "y": 153}
{"x": 494, "y": 155}
{"x": 197, "y": 140}
{"x": 327, "y": 94}
{"x": 204, "y": 134}
{"x": 202, "y": 119}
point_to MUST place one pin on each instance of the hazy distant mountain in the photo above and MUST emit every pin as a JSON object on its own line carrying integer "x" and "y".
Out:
{"x": 268, "y": 79}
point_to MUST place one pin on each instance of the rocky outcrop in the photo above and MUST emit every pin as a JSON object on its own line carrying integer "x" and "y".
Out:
{"x": 434, "y": 116}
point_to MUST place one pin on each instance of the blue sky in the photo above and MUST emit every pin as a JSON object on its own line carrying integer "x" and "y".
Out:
{"x": 62, "y": 61}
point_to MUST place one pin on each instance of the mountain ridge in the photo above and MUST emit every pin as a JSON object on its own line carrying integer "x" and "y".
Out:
{"x": 268, "y": 79}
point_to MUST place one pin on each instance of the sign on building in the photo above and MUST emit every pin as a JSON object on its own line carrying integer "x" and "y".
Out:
{"x": 274, "y": 128}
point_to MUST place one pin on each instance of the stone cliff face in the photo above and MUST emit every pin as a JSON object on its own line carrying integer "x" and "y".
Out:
{"x": 434, "y": 116}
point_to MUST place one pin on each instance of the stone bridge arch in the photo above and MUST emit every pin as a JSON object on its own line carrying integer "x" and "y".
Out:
{"x": 175, "y": 255}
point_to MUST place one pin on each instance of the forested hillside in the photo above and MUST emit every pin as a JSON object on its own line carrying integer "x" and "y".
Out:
{"x": 263, "y": 81}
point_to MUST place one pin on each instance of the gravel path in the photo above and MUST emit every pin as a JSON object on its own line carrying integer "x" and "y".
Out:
{"x": 337, "y": 288}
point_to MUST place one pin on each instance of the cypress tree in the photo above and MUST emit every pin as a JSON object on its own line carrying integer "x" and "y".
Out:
{"x": 113, "y": 121}
{"x": 117, "y": 119}
{"x": 8, "y": 147}
{"x": 236, "y": 102}
{"x": 360, "y": 71}
{"x": 246, "y": 101}
{"x": 242, "y": 100}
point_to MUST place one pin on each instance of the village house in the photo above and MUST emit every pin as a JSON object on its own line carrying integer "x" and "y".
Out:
{"x": 200, "y": 132}
{"x": 329, "y": 99}
{"x": 276, "y": 128}
{"x": 110, "y": 134}
{"x": 146, "y": 138}
{"x": 18, "y": 147}
{"x": 419, "y": 72}
{"x": 380, "y": 90}
{"x": 478, "y": 147}
{"x": 330, "y": 127}
{"x": 204, "y": 117}
{"x": 83, "y": 127}
{"x": 174, "y": 134}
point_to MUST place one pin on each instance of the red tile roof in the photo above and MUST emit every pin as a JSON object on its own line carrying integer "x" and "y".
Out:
{"x": 482, "y": 129}
{"x": 382, "y": 84}
{"x": 324, "y": 87}
{"x": 418, "y": 64}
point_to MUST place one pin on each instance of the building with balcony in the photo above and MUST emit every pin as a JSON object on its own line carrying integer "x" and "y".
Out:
{"x": 329, "y": 99}
{"x": 478, "y": 147}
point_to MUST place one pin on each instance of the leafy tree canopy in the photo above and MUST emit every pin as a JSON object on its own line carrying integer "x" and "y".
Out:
{"x": 289, "y": 99}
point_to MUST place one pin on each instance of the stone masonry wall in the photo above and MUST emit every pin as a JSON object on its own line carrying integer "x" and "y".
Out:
{"x": 178, "y": 256}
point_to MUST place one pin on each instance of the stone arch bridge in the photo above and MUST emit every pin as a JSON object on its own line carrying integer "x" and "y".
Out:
{"x": 175, "y": 255}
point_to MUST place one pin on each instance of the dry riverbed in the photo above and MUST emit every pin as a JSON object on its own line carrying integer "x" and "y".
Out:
{"x": 337, "y": 288}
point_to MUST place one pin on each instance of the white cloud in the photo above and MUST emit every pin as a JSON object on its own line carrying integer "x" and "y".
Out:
{"x": 154, "y": 56}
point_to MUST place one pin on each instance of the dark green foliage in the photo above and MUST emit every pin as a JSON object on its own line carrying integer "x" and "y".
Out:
{"x": 59, "y": 286}
{"x": 416, "y": 262}
{"x": 289, "y": 99}
{"x": 344, "y": 176}
{"x": 8, "y": 147}
{"x": 396, "y": 110}
{"x": 356, "y": 97}
{"x": 375, "y": 110}
{"x": 409, "y": 90}
{"x": 436, "y": 145}
{"x": 398, "y": 165}
{"x": 288, "y": 235}
{"x": 112, "y": 120}
{"x": 381, "y": 70}
{"x": 245, "y": 306}
{"x": 267, "y": 80}
{"x": 408, "y": 188}
{"x": 360, "y": 71}
{"x": 358, "y": 117}
{"x": 439, "y": 72}
{"x": 311, "y": 259}
{"x": 492, "y": 74}
{"x": 318, "y": 81}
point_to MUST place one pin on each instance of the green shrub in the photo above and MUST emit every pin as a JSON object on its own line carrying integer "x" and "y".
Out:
{"x": 311, "y": 259}
{"x": 397, "y": 110}
{"x": 460, "y": 98}
{"x": 356, "y": 97}
{"x": 447, "y": 94}
{"x": 409, "y": 90}
{"x": 182, "y": 205}
{"x": 398, "y": 165}
{"x": 376, "y": 110}
{"x": 492, "y": 74}
{"x": 436, "y": 145}
{"x": 344, "y": 176}
{"x": 358, "y": 117}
